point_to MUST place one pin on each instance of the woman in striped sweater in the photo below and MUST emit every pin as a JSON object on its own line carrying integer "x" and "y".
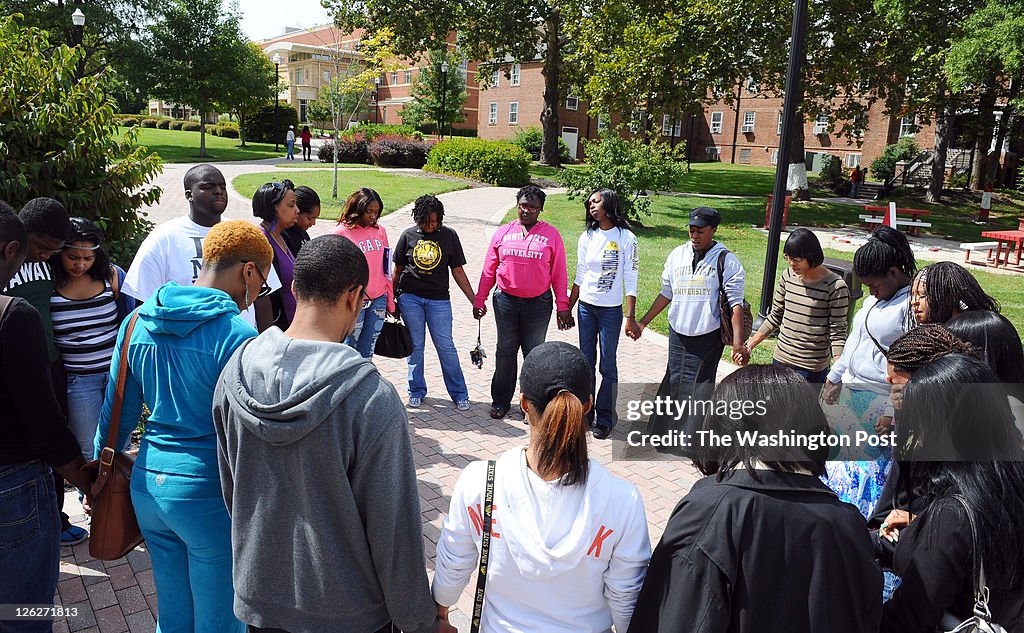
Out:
{"x": 809, "y": 311}
{"x": 87, "y": 308}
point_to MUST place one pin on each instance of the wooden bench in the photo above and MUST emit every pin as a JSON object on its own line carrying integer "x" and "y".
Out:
{"x": 914, "y": 224}
{"x": 970, "y": 247}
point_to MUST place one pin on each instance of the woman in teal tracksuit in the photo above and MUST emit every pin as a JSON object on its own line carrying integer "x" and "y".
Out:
{"x": 182, "y": 339}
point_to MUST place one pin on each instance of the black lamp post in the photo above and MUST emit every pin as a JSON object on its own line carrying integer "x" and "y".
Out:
{"x": 797, "y": 50}
{"x": 444, "y": 94}
{"x": 277, "y": 100}
{"x": 376, "y": 96}
{"x": 78, "y": 19}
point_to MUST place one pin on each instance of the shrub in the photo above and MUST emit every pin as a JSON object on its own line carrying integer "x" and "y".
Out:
{"x": 398, "y": 151}
{"x": 884, "y": 167}
{"x": 495, "y": 162}
{"x": 354, "y": 149}
{"x": 531, "y": 138}
{"x": 259, "y": 128}
{"x": 227, "y": 131}
{"x": 176, "y": 124}
{"x": 628, "y": 167}
{"x": 163, "y": 124}
{"x": 831, "y": 174}
{"x": 129, "y": 122}
{"x": 959, "y": 181}
{"x": 371, "y": 131}
{"x": 190, "y": 126}
{"x": 148, "y": 123}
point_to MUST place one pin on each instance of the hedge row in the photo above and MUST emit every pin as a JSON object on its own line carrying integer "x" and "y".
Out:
{"x": 384, "y": 151}
{"x": 371, "y": 131}
{"x": 494, "y": 162}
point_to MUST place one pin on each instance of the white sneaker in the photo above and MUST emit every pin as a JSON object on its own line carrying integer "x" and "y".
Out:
{"x": 415, "y": 402}
{"x": 462, "y": 405}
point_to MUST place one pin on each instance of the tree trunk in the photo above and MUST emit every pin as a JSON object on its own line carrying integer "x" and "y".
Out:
{"x": 552, "y": 69}
{"x": 796, "y": 180}
{"x": 1004, "y": 122}
{"x": 202, "y": 133}
{"x": 986, "y": 123}
{"x": 941, "y": 148}
{"x": 241, "y": 128}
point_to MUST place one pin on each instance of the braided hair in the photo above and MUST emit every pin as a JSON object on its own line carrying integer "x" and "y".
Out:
{"x": 924, "y": 344}
{"x": 886, "y": 248}
{"x": 950, "y": 289}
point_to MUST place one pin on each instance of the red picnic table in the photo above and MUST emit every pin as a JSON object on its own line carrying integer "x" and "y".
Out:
{"x": 888, "y": 216}
{"x": 1009, "y": 242}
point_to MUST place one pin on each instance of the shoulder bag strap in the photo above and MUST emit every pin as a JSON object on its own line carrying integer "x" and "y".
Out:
{"x": 485, "y": 549}
{"x": 981, "y": 593}
{"x": 884, "y": 351}
{"x": 721, "y": 275}
{"x": 122, "y": 379}
{"x": 115, "y": 283}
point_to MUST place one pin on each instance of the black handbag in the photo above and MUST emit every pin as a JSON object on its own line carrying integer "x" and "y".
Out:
{"x": 394, "y": 340}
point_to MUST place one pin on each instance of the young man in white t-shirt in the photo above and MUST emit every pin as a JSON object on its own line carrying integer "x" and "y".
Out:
{"x": 174, "y": 250}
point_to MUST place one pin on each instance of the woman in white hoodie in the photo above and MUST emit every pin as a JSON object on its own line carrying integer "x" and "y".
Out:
{"x": 569, "y": 544}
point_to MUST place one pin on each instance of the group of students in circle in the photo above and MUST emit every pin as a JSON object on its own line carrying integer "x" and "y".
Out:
{"x": 571, "y": 550}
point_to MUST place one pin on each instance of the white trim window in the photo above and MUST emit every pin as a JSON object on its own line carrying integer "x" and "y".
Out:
{"x": 634, "y": 121}
{"x": 602, "y": 122}
{"x": 853, "y": 160}
{"x": 751, "y": 85}
{"x": 908, "y": 125}
{"x": 495, "y": 76}
{"x": 516, "y": 70}
{"x": 492, "y": 114}
{"x": 298, "y": 76}
{"x": 713, "y": 153}
{"x": 327, "y": 76}
{"x": 775, "y": 156}
{"x": 821, "y": 123}
{"x": 393, "y": 79}
{"x": 408, "y": 76}
{"x": 748, "y": 122}
{"x": 572, "y": 103}
{"x": 513, "y": 113}
{"x": 778, "y": 131}
{"x": 716, "y": 122}
{"x": 670, "y": 127}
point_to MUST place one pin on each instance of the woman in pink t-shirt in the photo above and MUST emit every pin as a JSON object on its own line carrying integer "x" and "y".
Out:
{"x": 358, "y": 223}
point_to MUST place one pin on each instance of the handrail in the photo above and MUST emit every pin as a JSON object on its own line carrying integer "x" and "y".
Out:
{"x": 910, "y": 168}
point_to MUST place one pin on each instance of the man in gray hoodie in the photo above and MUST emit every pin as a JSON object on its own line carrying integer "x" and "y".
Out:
{"x": 317, "y": 469}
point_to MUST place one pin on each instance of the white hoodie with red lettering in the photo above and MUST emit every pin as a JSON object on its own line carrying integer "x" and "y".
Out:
{"x": 563, "y": 558}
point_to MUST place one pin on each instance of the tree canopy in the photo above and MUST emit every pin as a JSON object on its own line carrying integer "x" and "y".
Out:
{"x": 428, "y": 89}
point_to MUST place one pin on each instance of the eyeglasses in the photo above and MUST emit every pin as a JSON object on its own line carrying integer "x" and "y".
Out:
{"x": 367, "y": 301}
{"x": 526, "y": 207}
{"x": 793, "y": 260}
{"x": 265, "y": 288}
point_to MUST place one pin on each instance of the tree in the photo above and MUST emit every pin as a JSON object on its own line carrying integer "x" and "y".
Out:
{"x": 193, "y": 50}
{"x": 428, "y": 90}
{"x": 503, "y": 30}
{"x": 61, "y": 139}
{"x": 253, "y": 83}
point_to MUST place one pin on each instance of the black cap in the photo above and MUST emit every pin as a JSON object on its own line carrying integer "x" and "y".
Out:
{"x": 552, "y": 367}
{"x": 705, "y": 216}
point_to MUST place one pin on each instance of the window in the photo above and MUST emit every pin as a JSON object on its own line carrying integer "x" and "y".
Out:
{"x": 464, "y": 69}
{"x": 860, "y": 123}
{"x": 908, "y": 125}
{"x": 515, "y": 74}
{"x": 494, "y": 78}
{"x": 394, "y": 78}
{"x": 751, "y": 85}
{"x": 408, "y": 76}
{"x": 714, "y": 153}
{"x": 634, "y": 121}
{"x": 670, "y": 128}
{"x": 853, "y": 160}
{"x": 327, "y": 76}
{"x": 779, "y": 130}
{"x": 775, "y": 156}
{"x": 748, "y": 122}
{"x": 821, "y": 123}
{"x": 492, "y": 115}
{"x": 298, "y": 76}
{"x": 602, "y": 122}
{"x": 513, "y": 113}
{"x": 303, "y": 103}
{"x": 572, "y": 103}
{"x": 745, "y": 155}
{"x": 716, "y": 123}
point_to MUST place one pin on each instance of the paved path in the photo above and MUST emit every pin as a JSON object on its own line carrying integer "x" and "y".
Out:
{"x": 119, "y": 596}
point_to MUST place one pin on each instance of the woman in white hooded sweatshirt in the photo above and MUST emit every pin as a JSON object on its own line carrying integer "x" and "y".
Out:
{"x": 569, "y": 544}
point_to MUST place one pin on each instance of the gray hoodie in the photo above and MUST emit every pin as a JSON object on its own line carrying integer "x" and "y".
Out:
{"x": 318, "y": 475}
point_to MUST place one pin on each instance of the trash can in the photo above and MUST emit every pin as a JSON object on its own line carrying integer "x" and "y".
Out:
{"x": 844, "y": 269}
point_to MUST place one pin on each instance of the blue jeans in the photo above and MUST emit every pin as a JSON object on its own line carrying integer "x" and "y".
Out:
{"x": 602, "y": 325}
{"x": 436, "y": 315}
{"x": 291, "y": 150}
{"x": 814, "y": 377}
{"x": 368, "y": 326}
{"x": 188, "y": 534}
{"x": 521, "y": 324}
{"x": 29, "y": 540}
{"x": 692, "y": 367}
{"x": 85, "y": 399}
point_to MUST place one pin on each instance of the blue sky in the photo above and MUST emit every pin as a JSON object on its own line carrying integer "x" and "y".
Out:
{"x": 267, "y": 18}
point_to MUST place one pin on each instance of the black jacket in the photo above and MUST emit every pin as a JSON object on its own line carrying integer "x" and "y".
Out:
{"x": 934, "y": 561}
{"x": 780, "y": 555}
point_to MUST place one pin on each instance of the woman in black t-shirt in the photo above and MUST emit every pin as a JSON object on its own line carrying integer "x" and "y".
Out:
{"x": 423, "y": 255}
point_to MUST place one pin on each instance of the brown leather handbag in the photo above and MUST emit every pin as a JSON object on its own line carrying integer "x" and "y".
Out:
{"x": 115, "y": 530}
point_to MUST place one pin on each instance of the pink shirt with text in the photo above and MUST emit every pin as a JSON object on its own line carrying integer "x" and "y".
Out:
{"x": 373, "y": 241}
{"x": 527, "y": 265}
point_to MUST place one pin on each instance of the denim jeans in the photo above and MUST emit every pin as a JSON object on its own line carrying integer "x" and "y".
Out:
{"x": 291, "y": 150}
{"x": 599, "y": 325}
{"x": 85, "y": 400}
{"x": 692, "y": 367}
{"x": 436, "y": 315}
{"x": 368, "y": 326}
{"x": 816, "y": 378}
{"x": 188, "y": 534}
{"x": 29, "y": 540}
{"x": 521, "y": 324}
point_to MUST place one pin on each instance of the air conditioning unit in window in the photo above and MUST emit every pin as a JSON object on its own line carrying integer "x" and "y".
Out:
{"x": 748, "y": 129}
{"x": 820, "y": 128}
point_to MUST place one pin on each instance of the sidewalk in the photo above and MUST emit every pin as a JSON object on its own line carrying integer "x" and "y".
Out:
{"x": 120, "y": 596}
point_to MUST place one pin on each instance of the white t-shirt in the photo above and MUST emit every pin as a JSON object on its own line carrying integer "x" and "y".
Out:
{"x": 174, "y": 252}
{"x": 607, "y": 266}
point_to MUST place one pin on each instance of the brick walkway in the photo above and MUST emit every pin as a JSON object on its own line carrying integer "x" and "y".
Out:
{"x": 119, "y": 596}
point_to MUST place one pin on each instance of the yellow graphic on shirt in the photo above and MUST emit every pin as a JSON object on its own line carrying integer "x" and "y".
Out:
{"x": 612, "y": 246}
{"x": 426, "y": 255}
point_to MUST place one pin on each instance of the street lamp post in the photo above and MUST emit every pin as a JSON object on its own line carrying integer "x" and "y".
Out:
{"x": 444, "y": 94}
{"x": 277, "y": 99}
{"x": 376, "y": 97}
{"x": 78, "y": 19}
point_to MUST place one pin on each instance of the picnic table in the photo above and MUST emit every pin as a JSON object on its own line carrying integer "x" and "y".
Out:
{"x": 889, "y": 216}
{"x": 1008, "y": 243}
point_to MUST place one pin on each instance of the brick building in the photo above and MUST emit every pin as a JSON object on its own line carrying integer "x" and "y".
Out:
{"x": 311, "y": 58}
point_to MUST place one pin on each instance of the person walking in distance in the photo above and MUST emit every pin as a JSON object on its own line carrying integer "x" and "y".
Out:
{"x": 307, "y": 143}
{"x": 289, "y": 138}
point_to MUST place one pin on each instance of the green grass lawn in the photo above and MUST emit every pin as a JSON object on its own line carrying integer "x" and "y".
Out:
{"x": 177, "y": 146}
{"x": 667, "y": 228}
{"x": 396, "y": 190}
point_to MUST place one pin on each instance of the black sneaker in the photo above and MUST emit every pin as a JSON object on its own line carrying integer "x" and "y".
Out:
{"x": 601, "y": 432}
